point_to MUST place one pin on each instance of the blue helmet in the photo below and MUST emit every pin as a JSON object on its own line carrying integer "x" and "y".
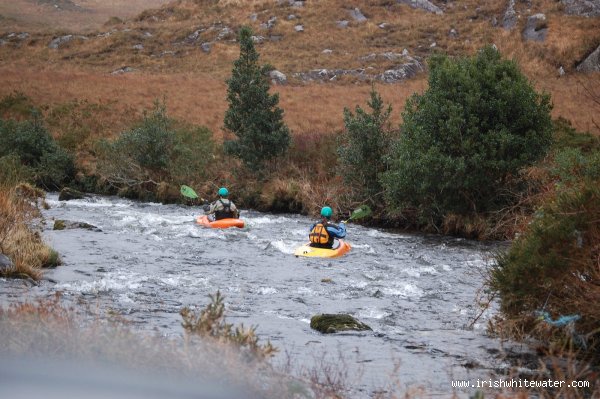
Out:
{"x": 326, "y": 212}
{"x": 223, "y": 192}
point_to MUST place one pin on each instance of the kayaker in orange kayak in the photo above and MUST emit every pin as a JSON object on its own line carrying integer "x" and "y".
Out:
{"x": 323, "y": 232}
{"x": 223, "y": 208}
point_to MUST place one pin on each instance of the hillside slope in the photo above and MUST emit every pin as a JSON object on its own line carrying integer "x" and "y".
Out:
{"x": 330, "y": 51}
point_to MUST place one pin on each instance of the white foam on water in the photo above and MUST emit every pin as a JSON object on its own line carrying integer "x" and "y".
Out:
{"x": 306, "y": 291}
{"x": 428, "y": 270}
{"x": 285, "y": 246}
{"x": 358, "y": 284}
{"x": 267, "y": 291}
{"x": 106, "y": 284}
{"x": 406, "y": 290}
{"x": 372, "y": 313}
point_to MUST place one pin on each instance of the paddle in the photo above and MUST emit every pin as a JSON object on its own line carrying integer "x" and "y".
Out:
{"x": 188, "y": 192}
{"x": 359, "y": 213}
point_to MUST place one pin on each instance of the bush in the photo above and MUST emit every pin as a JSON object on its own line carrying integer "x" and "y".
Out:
{"x": 364, "y": 146}
{"x": 158, "y": 150}
{"x": 479, "y": 122}
{"x": 52, "y": 167}
{"x": 253, "y": 115}
{"x": 553, "y": 265}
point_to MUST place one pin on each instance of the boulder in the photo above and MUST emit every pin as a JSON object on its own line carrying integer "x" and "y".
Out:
{"x": 138, "y": 46}
{"x": 277, "y": 78}
{"x": 122, "y": 70}
{"x": 423, "y": 5}
{"x": 67, "y": 194}
{"x": 584, "y": 8}
{"x": 68, "y": 225}
{"x": 591, "y": 63}
{"x": 342, "y": 24}
{"x": 299, "y": 28}
{"x": 332, "y": 323}
{"x": 206, "y": 47}
{"x": 536, "y": 28}
{"x": 357, "y": 15}
{"x": 5, "y": 263}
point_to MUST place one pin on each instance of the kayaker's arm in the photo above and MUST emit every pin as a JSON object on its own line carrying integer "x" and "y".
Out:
{"x": 339, "y": 232}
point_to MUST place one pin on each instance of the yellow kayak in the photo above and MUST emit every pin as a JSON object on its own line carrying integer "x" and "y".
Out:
{"x": 306, "y": 250}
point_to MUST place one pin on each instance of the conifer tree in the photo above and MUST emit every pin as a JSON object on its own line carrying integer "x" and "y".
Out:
{"x": 253, "y": 115}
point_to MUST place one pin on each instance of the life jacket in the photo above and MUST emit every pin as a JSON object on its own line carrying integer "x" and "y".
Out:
{"x": 224, "y": 213}
{"x": 320, "y": 237}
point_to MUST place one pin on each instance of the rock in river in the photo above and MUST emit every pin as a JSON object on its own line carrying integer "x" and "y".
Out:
{"x": 332, "y": 323}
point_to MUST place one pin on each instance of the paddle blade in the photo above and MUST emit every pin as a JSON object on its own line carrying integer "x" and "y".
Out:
{"x": 188, "y": 192}
{"x": 361, "y": 212}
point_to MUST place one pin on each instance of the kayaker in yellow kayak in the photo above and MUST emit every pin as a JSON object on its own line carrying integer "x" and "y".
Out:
{"x": 222, "y": 208}
{"x": 324, "y": 232}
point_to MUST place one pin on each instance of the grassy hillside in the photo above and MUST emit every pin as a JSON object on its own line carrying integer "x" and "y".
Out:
{"x": 170, "y": 63}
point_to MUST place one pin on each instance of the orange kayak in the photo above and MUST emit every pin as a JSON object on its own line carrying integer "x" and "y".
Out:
{"x": 219, "y": 224}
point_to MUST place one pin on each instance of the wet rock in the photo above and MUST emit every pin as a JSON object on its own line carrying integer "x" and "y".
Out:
{"x": 423, "y": 5}
{"x": 509, "y": 20}
{"x": 357, "y": 15}
{"x": 277, "y": 77}
{"x": 585, "y": 8}
{"x": 67, "y": 194}
{"x": 68, "y": 225}
{"x": 332, "y": 323}
{"x": 5, "y": 263}
{"x": 591, "y": 63}
{"x": 342, "y": 24}
{"x": 536, "y": 28}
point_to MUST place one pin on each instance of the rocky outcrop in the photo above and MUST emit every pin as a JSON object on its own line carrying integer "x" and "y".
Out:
{"x": 5, "y": 263}
{"x": 61, "y": 41}
{"x": 536, "y": 28}
{"x": 591, "y": 63}
{"x": 509, "y": 20}
{"x": 67, "y": 194}
{"x": 332, "y": 323}
{"x": 423, "y": 5}
{"x": 406, "y": 68}
{"x": 586, "y": 8}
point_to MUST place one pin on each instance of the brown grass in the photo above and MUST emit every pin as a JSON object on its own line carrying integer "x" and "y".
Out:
{"x": 23, "y": 245}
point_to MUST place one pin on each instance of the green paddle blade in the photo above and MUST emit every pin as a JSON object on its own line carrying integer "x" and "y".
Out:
{"x": 188, "y": 192}
{"x": 361, "y": 212}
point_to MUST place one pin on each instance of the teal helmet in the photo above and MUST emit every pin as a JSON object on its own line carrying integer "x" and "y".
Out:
{"x": 223, "y": 192}
{"x": 326, "y": 212}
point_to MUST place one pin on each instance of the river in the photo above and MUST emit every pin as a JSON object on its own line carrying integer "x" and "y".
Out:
{"x": 417, "y": 292}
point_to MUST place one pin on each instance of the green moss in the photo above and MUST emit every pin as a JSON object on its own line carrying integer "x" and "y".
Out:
{"x": 332, "y": 323}
{"x": 59, "y": 225}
